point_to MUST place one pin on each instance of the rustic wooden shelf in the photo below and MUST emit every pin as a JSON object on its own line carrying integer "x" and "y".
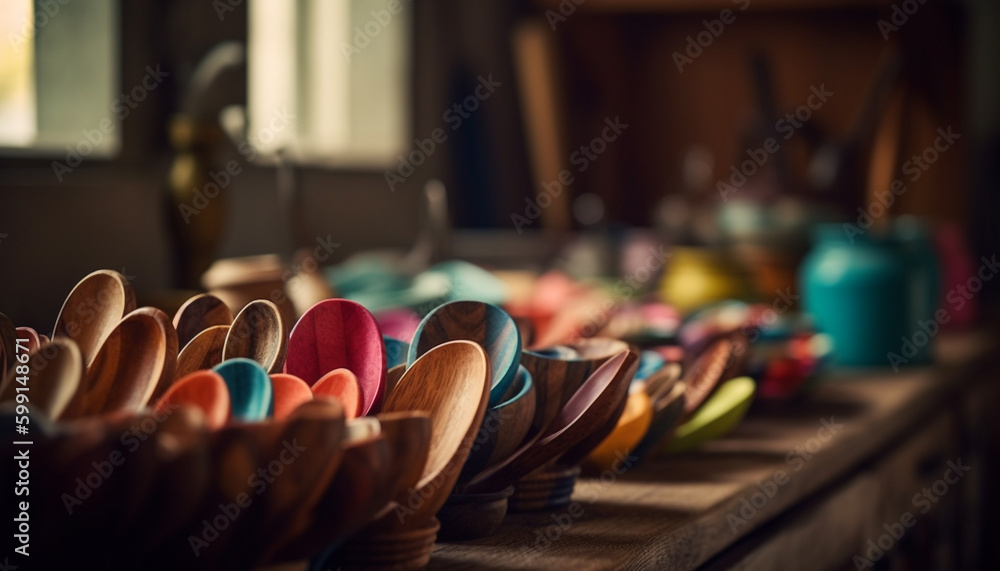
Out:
{"x": 671, "y": 513}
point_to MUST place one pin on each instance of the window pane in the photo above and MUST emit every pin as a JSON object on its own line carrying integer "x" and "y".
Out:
{"x": 58, "y": 76}
{"x": 341, "y": 68}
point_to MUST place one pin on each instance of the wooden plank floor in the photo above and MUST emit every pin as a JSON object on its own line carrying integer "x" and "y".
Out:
{"x": 679, "y": 511}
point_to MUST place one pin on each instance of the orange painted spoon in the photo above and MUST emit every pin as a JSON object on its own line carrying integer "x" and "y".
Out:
{"x": 289, "y": 392}
{"x": 342, "y": 384}
{"x": 204, "y": 390}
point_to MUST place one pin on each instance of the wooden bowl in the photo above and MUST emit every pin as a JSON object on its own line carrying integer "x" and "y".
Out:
{"x": 471, "y": 516}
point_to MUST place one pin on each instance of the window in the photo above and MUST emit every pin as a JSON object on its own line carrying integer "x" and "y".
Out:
{"x": 58, "y": 76}
{"x": 341, "y": 69}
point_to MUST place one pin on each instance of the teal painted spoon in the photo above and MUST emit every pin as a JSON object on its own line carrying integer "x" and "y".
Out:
{"x": 250, "y": 391}
{"x": 488, "y": 325}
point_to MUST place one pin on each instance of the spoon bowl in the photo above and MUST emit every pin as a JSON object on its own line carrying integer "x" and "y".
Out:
{"x": 336, "y": 334}
{"x": 202, "y": 352}
{"x": 483, "y": 323}
{"x": 705, "y": 373}
{"x": 250, "y": 393}
{"x": 342, "y": 385}
{"x": 198, "y": 314}
{"x": 167, "y": 376}
{"x": 203, "y": 390}
{"x": 126, "y": 370}
{"x": 289, "y": 392}
{"x": 93, "y": 309}
{"x": 258, "y": 332}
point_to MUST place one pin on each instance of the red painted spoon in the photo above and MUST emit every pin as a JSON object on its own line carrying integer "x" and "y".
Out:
{"x": 335, "y": 334}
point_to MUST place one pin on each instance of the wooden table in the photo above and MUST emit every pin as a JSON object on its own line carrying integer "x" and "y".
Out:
{"x": 803, "y": 486}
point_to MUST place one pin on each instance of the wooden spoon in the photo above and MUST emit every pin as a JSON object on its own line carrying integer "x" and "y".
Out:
{"x": 482, "y": 323}
{"x": 335, "y": 334}
{"x": 343, "y": 386}
{"x": 557, "y": 378}
{"x": 202, "y": 352}
{"x": 504, "y": 428}
{"x": 596, "y": 400}
{"x": 93, "y": 309}
{"x": 392, "y": 378}
{"x": 125, "y": 371}
{"x": 258, "y": 332}
{"x": 54, "y": 374}
{"x": 705, "y": 373}
{"x": 599, "y": 432}
{"x": 451, "y": 383}
{"x": 198, "y": 314}
{"x": 250, "y": 393}
{"x": 667, "y": 414}
{"x": 204, "y": 390}
{"x": 662, "y": 382}
{"x": 170, "y": 360}
{"x": 289, "y": 392}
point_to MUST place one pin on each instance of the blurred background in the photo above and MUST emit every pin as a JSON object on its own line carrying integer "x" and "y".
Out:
{"x": 158, "y": 137}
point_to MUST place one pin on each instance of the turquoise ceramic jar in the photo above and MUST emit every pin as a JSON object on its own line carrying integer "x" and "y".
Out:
{"x": 924, "y": 270}
{"x": 856, "y": 289}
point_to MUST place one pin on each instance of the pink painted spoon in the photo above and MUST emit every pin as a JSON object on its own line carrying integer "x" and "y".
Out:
{"x": 340, "y": 334}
